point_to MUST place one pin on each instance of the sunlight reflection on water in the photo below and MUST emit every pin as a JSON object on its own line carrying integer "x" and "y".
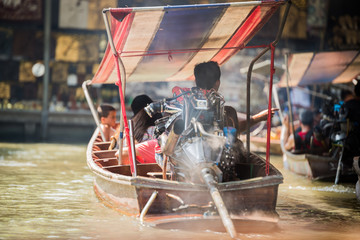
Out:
{"x": 47, "y": 193}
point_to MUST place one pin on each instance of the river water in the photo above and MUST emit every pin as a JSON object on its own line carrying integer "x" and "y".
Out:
{"x": 46, "y": 193}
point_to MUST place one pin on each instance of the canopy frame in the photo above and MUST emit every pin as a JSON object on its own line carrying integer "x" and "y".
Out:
{"x": 271, "y": 47}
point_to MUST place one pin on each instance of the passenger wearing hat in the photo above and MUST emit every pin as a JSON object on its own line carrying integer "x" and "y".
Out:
{"x": 144, "y": 126}
{"x": 140, "y": 102}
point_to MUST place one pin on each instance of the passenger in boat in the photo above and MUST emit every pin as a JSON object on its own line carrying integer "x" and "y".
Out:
{"x": 303, "y": 140}
{"x": 143, "y": 132}
{"x": 107, "y": 116}
{"x": 357, "y": 90}
{"x": 352, "y": 113}
{"x": 143, "y": 125}
{"x": 145, "y": 152}
{"x": 139, "y": 102}
{"x": 351, "y": 106}
{"x": 207, "y": 76}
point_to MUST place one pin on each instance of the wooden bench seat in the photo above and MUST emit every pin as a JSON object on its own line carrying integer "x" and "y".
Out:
{"x": 104, "y": 154}
{"x": 106, "y": 162}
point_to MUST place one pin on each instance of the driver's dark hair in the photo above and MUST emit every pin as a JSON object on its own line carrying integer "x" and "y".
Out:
{"x": 206, "y": 74}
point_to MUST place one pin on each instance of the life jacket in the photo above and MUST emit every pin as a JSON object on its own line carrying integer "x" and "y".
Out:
{"x": 303, "y": 140}
{"x": 176, "y": 91}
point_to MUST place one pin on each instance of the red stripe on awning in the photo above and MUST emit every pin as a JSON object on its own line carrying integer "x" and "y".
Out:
{"x": 252, "y": 24}
{"x": 120, "y": 31}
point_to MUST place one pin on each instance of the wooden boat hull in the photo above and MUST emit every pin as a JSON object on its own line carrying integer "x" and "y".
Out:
{"x": 251, "y": 198}
{"x": 356, "y": 165}
{"x": 315, "y": 167}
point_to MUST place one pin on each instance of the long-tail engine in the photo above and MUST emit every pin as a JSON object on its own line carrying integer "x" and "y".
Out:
{"x": 194, "y": 135}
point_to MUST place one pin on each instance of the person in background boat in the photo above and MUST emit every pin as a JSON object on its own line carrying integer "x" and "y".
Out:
{"x": 351, "y": 106}
{"x": 303, "y": 140}
{"x": 207, "y": 77}
{"x": 107, "y": 116}
{"x": 357, "y": 90}
{"x": 352, "y": 114}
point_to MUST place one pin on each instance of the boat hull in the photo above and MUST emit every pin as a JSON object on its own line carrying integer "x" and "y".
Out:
{"x": 315, "y": 167}
{"x": 251, "y": 198}
{"x": 249, "y": 201}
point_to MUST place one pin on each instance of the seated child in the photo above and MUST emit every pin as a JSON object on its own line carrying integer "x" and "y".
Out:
{"x": 107, "y": 116}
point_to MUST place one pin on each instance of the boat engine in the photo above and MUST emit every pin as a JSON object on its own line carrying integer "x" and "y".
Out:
{"x": 195, "y": 135}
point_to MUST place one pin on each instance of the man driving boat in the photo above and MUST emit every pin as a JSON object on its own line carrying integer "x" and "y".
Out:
{"x": 207, "y": 77}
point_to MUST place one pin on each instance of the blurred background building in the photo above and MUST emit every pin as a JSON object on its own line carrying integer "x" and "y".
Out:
{"x": 77, "y": 41}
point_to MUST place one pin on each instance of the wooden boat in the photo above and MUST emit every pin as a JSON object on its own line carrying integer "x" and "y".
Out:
{"x": 356, "y": 165}
{"x": 254, "y": 197}
{"x": 304, "y": 70}
{"x": 148, "y": 191}
{"x": 315, "y": 167}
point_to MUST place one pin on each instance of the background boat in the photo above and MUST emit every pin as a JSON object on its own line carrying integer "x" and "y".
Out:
{"x": 305, "y": 69}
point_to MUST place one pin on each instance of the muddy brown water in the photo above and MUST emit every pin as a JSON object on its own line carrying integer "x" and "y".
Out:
{"x": 47, "y": 193}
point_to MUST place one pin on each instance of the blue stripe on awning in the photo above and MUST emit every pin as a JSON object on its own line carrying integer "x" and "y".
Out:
{"x": 179, "y": 30}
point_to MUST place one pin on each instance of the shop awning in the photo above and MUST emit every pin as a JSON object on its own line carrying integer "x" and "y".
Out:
{"x": 323, "y": 67}
{"x": 165, "y": 43}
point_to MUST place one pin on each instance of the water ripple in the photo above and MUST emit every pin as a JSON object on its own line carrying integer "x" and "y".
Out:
{"x": 17, "y": 164}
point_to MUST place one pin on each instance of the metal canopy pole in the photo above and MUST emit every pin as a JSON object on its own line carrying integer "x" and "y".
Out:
{"x": 123, "y": 82}
{"x": 291, "y": 116}
{"x": 92, "y": 108}
{"x": 248, "y": 81}
{"x": 45, "y": 103}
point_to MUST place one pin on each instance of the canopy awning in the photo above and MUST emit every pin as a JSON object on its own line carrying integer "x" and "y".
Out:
{"x": 165, "y": 43}
{"x": 323, "y": 67}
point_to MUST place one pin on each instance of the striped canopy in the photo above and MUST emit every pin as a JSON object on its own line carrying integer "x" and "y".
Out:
{"x": 324, "y": 67}
{"x": 165, "y": 43}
